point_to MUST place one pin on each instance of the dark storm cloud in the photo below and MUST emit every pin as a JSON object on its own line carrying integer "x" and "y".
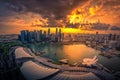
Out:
{"x": 4, "y": 12}
{"x": 58, "y": 9}
{"x": 51, "y": 9}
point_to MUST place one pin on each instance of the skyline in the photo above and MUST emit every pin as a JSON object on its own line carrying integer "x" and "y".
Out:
{"x": 17, "y": 15}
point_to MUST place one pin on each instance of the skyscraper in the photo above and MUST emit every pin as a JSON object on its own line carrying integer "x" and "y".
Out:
{"x": 44, "y": 35}
{"x": 109, "y": 36}
{"x": 22, "y": 37}
{"x": 59, "y": 34}
{"x": 38, "y": 36}
{"x": 41, "y": 36}
{"x": 56, "y": 31}
{"x": 49, "y": 32}
{"x": 29, "y": 36}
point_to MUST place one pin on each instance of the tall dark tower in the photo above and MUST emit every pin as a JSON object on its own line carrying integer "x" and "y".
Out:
{"x": 59, "y": 34}
{"x": 114, "y": 37}
{"x": 44, "y": 35}
{"x": 56, "y": 31}
{"x": 49, "y": 32}
{"x": 109, "y": 36}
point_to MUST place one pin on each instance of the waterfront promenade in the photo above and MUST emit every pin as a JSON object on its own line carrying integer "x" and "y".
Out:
{"x": 101, "y": 74}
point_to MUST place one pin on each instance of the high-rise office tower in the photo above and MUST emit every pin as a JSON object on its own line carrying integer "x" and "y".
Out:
{"x": 29, "y": 36}
{"x": 114, "y": 37}
{"x": 109, "y": 36}
{"x": 48, "y": 34}
{"x": 44, "y": 36}
{"x": 97, "y": 36}
{"x": 22, "y": 37}
{"x": 59, "y": 34}
{"x": 41, "y": 36}
{"x": 35, "y": 35}
{"x": 38, "y": 36}
{"x": 56, "y": 31}
{"x": 26, "y": 35}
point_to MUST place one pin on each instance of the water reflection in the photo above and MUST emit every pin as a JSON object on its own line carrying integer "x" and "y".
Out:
{"x": 78, "y": 52}
{"x": 75, "y": 53}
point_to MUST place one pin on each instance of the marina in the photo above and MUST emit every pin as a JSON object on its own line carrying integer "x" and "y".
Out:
{"x": 43, "y": 63}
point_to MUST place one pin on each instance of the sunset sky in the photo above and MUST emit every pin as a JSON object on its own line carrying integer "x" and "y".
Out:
{"x": 16, "y": 15}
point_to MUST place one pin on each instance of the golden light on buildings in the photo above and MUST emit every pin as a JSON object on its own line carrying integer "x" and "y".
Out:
{"x": 71, "y": 30}
{"x": 64, "y": 30}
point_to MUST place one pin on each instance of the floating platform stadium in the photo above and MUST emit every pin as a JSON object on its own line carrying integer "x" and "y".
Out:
{"x": 38, "y": 68}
